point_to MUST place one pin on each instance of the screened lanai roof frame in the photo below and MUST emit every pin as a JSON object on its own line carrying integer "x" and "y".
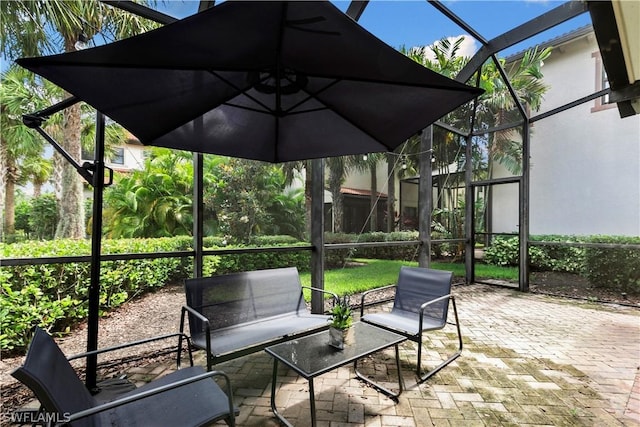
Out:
{"x": 94, "y": 173}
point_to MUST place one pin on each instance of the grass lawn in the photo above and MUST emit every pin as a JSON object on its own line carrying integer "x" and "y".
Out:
{"x": 374, "y": 273}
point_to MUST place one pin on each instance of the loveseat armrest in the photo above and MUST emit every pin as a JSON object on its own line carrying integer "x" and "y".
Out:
{"x": 371, "y": 291}
{"x": 180, "y": 336}
{"x": 207, "y": 329}
{"x": 333, "y": 294}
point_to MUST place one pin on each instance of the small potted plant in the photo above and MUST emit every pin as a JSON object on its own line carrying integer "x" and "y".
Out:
{"x": 339, "y": 329}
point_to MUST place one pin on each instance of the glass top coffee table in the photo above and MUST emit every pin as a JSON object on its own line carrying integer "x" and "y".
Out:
{"x": 312, "y": 356}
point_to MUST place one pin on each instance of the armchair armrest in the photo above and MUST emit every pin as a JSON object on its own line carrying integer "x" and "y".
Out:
{"x": 370, "y": 291}
{"x": 427, "y": 304}
{"x": 433, "y": 301}
{"x": 180, "y": 336}
{"x": 154, "y": 391}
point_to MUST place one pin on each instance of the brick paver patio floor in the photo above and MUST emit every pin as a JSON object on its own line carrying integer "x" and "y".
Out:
{"x": 529, "y": 360}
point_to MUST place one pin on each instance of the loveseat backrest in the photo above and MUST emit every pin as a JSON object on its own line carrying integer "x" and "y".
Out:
{"x": 48, "y": 373}
{"x": 417, "y": 285}
{"x": 235, "y": 298}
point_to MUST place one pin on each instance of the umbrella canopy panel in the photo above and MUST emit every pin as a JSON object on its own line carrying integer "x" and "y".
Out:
{"x": 271, "y": 81}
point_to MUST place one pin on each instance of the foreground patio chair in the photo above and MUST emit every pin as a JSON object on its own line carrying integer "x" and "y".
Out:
{"x": 186, "y": 397}
{"x": 421, "y": 304}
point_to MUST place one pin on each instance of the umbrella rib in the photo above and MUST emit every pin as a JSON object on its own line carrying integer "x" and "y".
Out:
{"x": 233, "y": 85}
{"x": 312, "y": 95}
{"x": 287, "y": 113}
{"x": 243, "y": 107}
{"x": 310, "y": 110}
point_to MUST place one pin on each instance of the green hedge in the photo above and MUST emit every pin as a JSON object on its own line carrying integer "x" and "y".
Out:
{"x": 407, "y": 253}
{"x": 54, "y": 296}
{"x": 504, "y": 251}
{"x": 616, "y": 269}
{"x": 338, "y": 257}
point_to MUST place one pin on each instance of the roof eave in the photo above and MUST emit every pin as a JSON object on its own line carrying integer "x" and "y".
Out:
{"x": 614, "y": 25}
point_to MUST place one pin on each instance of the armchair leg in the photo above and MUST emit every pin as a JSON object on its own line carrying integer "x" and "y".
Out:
{"x": 423, "y": 377}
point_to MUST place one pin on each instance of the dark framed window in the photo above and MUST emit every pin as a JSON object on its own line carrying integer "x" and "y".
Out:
{"x": 117, "y": 157}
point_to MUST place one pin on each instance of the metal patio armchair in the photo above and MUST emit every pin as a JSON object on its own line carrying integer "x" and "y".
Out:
{"x": 421, "y": 304}
{"x": 186, "y": 397}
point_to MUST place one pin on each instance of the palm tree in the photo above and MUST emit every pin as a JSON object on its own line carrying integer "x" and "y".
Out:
{"x": 443, "y": 58}
{"x": 499, "y": 107}
{"x": 287, "y": 213}
{"x": 337, "y": 167}
{"x": 18, "y": 93}
{"x": 291, "y": 170}
{"x": 38, "y": 171}
{"x": 28, "y": 28}
{"x": 369, "y": 163}
{"x": 496, "y": 107}
{"x": 22, "y": 150}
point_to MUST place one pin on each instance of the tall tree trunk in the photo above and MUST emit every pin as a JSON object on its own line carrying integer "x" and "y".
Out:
{"x": 336, "y": 167}
{"x": 10, "y": 205}
{"x": 373, "y": 209}
{"x": 338, "y": 208}
{"x": 391, "y": 193}
{"x": 3, "y": 178}
{"x": 71, "y": 222}
{"x": 37, "y": 189}
{"x": 56, "y": 176}
{"x": 11, "y": 177}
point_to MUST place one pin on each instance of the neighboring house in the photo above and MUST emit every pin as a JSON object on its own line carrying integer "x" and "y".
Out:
{"x": 357, "y": 210}
{"x": 585, "y": 161}
{"x": 122, "y": 158}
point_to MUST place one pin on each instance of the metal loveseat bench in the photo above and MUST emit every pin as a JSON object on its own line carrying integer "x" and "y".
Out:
{"x": 237, "y": 314}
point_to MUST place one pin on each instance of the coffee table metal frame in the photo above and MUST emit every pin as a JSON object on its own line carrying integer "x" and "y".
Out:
{"x": 312, "y": 356}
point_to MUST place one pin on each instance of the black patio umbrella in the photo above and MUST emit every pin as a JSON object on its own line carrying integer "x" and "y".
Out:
{"x": 271, "y": 81}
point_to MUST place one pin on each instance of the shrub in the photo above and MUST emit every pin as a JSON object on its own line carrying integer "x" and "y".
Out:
{"x": 407, "y": 253}
{"x": 44, "y": 216}
{"x": 617, "y": 269}
{"x": 614, "y": 268}
{"x": 503, "y": 252}
{"x": 506, "y": 252}
{"x": 336, "y": 258}
{"x": 20, "y": 309}
{"x": 54, "y": 296}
